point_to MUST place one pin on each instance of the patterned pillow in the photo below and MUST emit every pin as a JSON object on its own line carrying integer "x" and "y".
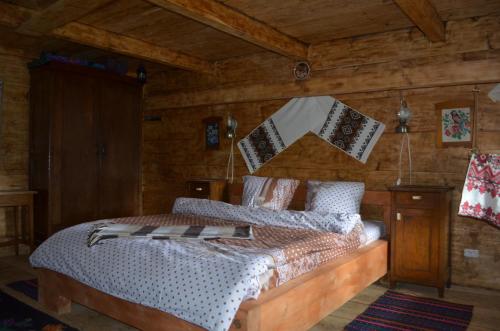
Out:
{"x": 267, "y": 192}
{"x": 334, "y": 197}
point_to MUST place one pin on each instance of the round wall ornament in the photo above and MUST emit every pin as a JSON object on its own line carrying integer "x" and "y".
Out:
{"x": 302, "y": 70}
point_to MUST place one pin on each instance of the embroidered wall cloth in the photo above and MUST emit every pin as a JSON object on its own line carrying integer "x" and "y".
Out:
{"x": 481, "y": 194}
{"x": 331, "y": 120}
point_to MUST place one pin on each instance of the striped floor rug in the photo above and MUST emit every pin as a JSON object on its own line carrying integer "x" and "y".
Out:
{"x": 401, "y": 312}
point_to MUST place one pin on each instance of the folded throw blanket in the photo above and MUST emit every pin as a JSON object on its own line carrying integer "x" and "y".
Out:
{"x": 481, "y": 194}
{"x": 104, "y": 231}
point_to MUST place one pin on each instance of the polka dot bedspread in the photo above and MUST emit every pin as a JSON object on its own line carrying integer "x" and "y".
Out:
{"x": 202, "y": 282}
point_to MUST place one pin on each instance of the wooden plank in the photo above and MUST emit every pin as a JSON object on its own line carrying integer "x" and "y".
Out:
{"x": 228, "y": 20}
{"x": 301, "y": 303}
{"x": 464, "y": 36}
{"x": 58, "y": 14}
{"x": 315, "y": 21}
{"x": 425, "y": 16}
{"x": 476, "y": 67}
{"x": 87, "y": 35}
{"x": 469, "y": 35}
{"x": 12, "y": 15}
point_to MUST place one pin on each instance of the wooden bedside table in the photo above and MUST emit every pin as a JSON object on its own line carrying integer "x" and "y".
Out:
{"x": 420, "y": 239}
{"x": 212, "y": 189}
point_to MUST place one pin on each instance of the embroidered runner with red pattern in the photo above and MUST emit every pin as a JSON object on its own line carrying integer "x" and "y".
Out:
{"x": 481, "y": 194}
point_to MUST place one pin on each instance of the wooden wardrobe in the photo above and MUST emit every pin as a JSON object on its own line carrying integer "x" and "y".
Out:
{"x": 85, "y": 146}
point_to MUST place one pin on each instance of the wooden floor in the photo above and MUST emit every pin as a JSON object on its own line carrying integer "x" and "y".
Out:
{"x": 486, "y": 303}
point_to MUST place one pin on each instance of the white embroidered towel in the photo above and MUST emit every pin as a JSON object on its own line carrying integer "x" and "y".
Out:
{"x": 331, "y": 120}
{"x": 481, "y": 193}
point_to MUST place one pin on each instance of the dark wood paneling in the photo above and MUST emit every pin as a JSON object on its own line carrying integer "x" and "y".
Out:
{"x": 118, "y": 109}
{"x": 73, "y": 144}
{"x": 39, "y": 149}
{"x": 85, "y": 146}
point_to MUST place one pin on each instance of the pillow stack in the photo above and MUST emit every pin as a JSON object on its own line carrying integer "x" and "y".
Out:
{"x": 323, "y": 197}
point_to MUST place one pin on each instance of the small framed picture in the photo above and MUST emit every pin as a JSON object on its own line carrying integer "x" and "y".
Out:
{"x": 455, "y": 123}
{"x": 212, "y": 132}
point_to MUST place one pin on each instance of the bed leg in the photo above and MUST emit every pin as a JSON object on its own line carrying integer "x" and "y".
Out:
{"x": 50, "y": 296}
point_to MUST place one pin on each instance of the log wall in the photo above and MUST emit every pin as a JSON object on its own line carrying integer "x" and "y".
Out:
{"x": 14, "y": 128}
{"x": 367, "y": 73}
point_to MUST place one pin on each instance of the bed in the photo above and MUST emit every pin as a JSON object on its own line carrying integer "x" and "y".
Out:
{"x": 296, "y": 305}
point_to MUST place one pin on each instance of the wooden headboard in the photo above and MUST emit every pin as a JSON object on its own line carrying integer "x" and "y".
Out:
{"x": 381, "y": 199}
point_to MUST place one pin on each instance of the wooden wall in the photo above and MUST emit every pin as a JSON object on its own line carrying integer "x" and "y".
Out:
{"x": 367, "y": 73}
{"x": 364, "y": 72}
{"x": 14, "y": 128}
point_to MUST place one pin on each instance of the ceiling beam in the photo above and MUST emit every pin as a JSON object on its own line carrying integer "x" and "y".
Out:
{"x": 12, "y": 16}
{"x": 58, "y": 14}
{"x": 110, "y": 41}
{"x": 423, "y": 14}
{"x": 237, "y": 24}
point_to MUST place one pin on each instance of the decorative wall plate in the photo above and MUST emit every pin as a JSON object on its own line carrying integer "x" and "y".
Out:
{"x": 302, "y": 70}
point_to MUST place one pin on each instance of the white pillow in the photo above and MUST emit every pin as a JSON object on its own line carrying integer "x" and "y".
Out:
{"x": 267, "y": 192}
{"x": 334, "y": 197}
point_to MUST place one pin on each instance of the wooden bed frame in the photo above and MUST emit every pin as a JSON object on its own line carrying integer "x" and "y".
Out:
{"x": 297, "y": 305}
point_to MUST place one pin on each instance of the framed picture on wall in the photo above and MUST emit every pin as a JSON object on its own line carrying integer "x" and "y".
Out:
{"x": 212, "y": 132}
{"x": 455, "y": 123}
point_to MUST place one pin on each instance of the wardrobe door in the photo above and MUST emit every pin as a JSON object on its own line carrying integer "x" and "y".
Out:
{"x": 73, "y": 157}
{"x": 40, "y": 95}
{"x": 119, "y": 110}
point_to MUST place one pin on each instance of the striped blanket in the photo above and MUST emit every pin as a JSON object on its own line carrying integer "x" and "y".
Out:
{"x": 104, "y": 231}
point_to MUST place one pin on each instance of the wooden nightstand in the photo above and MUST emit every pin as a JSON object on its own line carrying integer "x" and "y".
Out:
{"x": 420, "y": 235}
{"x": 212, "y": 189}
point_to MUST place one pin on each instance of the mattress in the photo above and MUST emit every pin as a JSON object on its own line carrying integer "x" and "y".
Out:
{"x": 373, "y": 230}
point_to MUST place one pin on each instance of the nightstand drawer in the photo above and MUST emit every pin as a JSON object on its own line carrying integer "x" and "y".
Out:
{"x": 417, "y": 199}
{"x": 212, "y": 189}
{"x": 199, "y": 189}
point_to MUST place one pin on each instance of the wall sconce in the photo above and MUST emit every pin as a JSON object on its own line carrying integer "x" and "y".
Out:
{"x": 404, "y": 115}
{"x": 142, "y": 76}
{"x": 231, "y": 127}
{"x": 231, "y": 134}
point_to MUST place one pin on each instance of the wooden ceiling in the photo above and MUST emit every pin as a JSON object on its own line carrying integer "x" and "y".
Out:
{"x": 158, "y": 26}
{"x": 193, "y": 34}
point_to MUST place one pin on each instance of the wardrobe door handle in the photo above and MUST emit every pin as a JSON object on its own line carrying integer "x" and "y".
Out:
{"x": 399, "y": 217}
{"x": 102, "y": 151}
{"x": 416, "y": 197}
{"x": 199, "y": 189}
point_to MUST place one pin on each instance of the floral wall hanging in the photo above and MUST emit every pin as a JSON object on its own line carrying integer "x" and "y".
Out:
{"x": 455, "y": 124}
